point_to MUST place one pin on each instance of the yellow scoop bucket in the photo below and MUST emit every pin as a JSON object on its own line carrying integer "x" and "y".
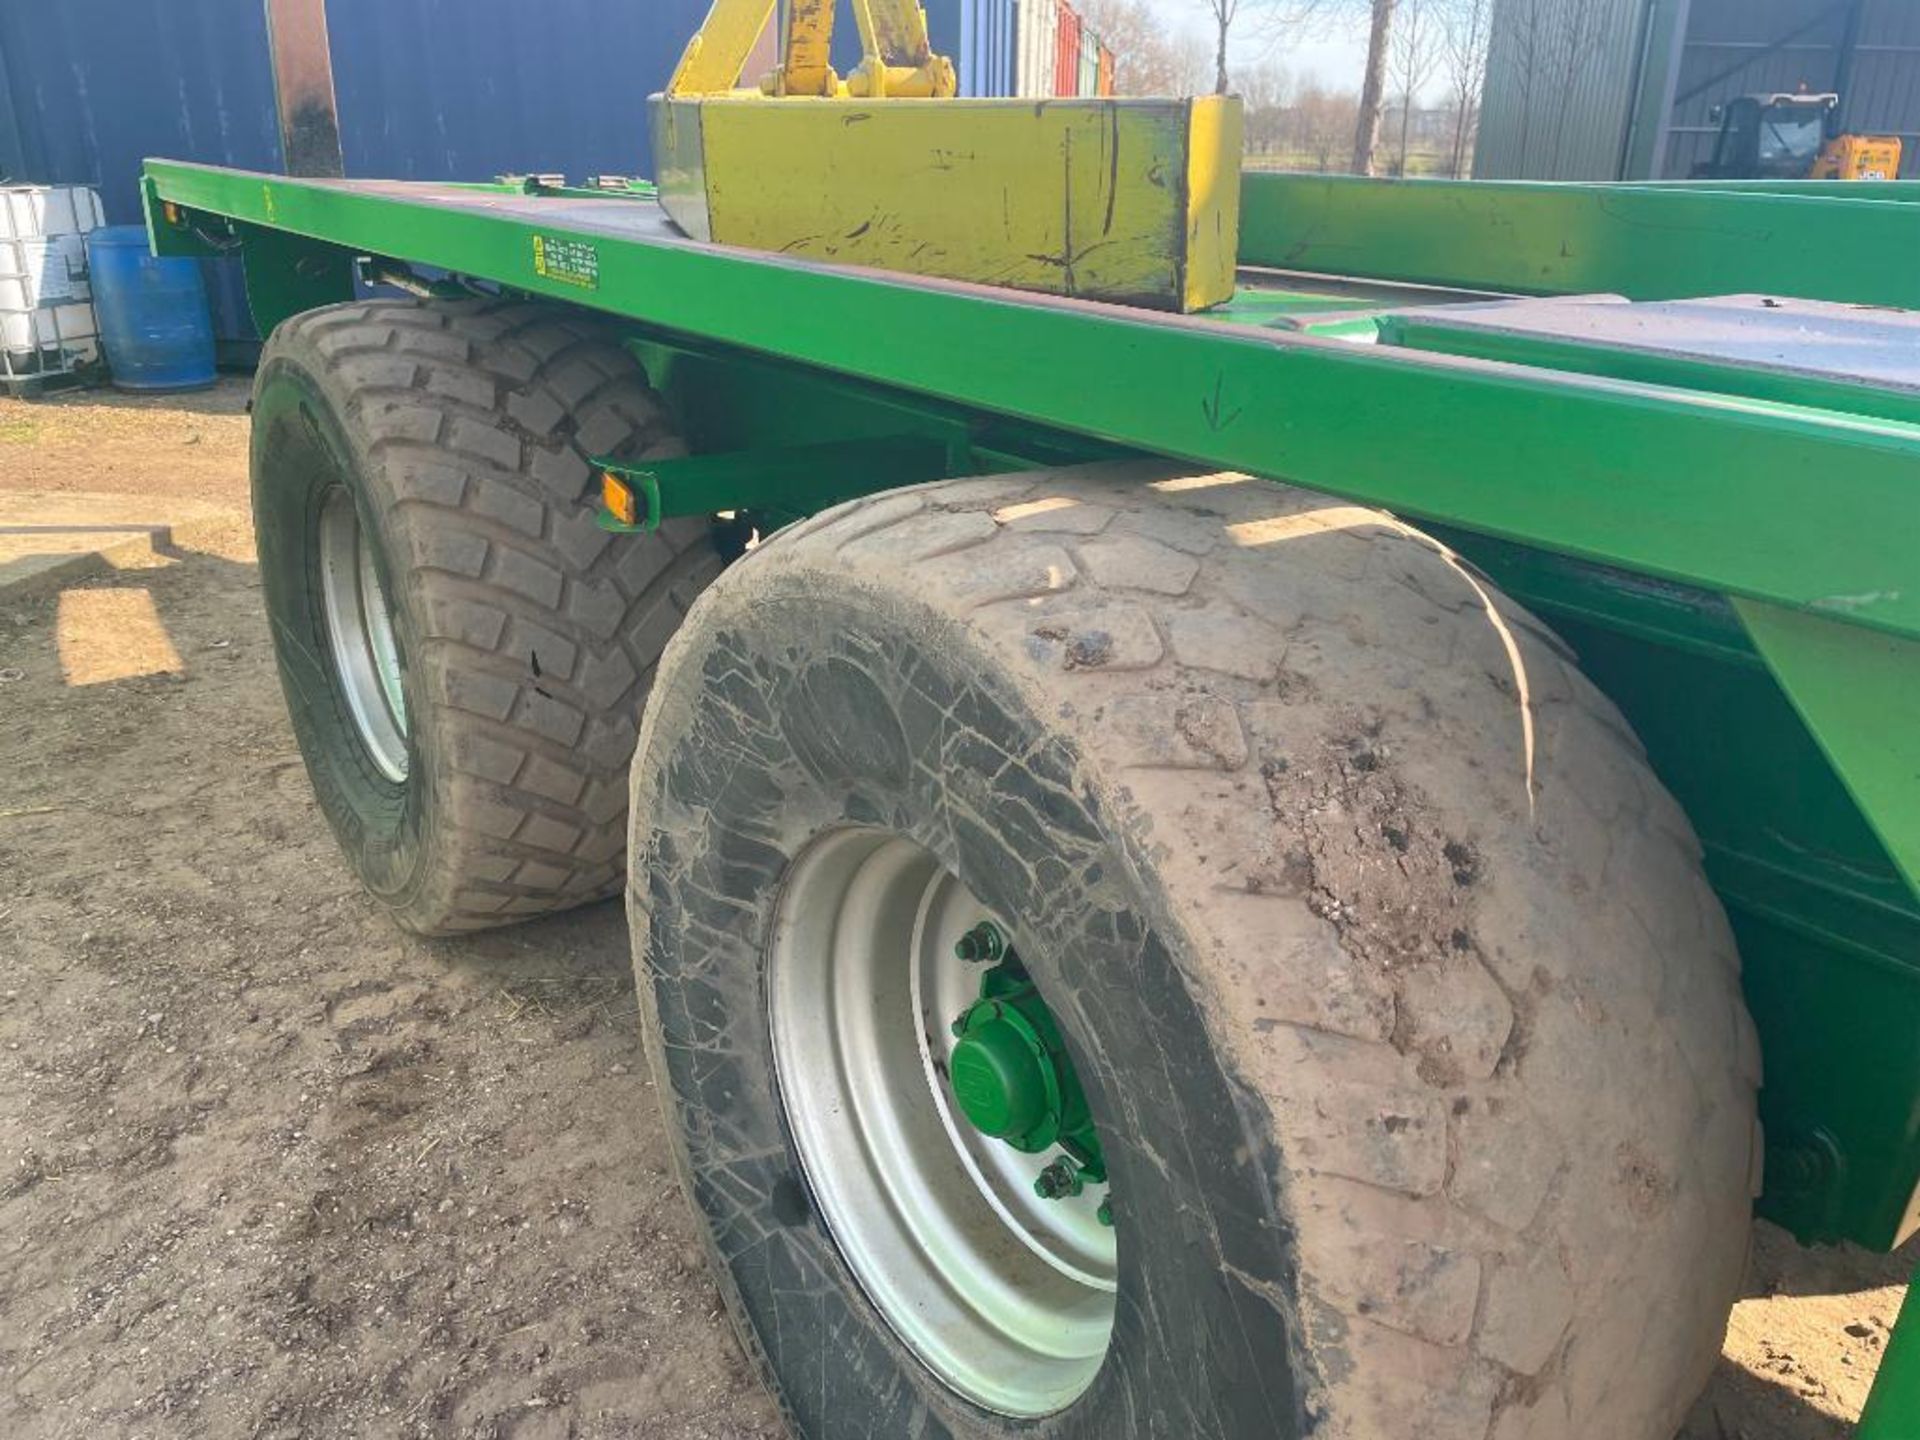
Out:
{"x": 1132, "y": 201}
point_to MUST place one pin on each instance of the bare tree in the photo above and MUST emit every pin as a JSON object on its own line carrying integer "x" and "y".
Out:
{"x": 1266, "y": 95}
{"x": 1265, "y": 21}
{"x": 1465, "y": 28}
{"x": 1414, "y": 57}
{"x": 1366, "y": 136}
{"x": 1322, "y": 123}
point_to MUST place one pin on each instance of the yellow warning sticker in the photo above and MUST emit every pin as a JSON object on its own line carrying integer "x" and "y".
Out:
{"x": 571, "y": 262}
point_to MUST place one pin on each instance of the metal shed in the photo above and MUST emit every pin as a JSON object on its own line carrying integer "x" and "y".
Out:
{"x": 1625, "y": 89}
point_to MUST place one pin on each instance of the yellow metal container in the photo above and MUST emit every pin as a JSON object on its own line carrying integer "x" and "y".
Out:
{"x": 1134, "y": 201}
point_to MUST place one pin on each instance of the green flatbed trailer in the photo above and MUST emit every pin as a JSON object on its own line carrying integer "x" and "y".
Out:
{"x": 1714, "y": 503}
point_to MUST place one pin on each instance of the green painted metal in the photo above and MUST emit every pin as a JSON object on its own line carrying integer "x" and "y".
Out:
{"x": 1647, "y": 242}
{"x": 1771, "y": 387}
{"x": 1630, "y": 512}
{"x": 1859, "y": 693}
{"x": 785, "y": 483}
{"x": 1893, "y": 1409}
{"x": 1905, "y": 191}
{"x": 724, "y": 400}
{"x": 1724, "y": 480}
{"x": 1011, "y": 1075}
{"x": 286, "y": 277}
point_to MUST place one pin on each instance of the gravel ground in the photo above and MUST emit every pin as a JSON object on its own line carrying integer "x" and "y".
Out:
{"x": 269, "y": 1168}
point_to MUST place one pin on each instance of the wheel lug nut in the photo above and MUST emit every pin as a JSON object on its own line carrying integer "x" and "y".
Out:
{"x": 1058, "y": 1180}
{"x": 982, "y": 944}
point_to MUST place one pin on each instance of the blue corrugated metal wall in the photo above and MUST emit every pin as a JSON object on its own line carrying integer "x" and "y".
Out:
{"x": 468, "y": 89}
{"x": 978, "y": 35}
{"x": 426, "y": 89}
{"x": 90, "y": 88}
{"x": 96, "y": 86}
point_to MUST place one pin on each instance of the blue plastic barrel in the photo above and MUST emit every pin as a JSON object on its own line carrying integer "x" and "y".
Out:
{"x": 154, "y": 320}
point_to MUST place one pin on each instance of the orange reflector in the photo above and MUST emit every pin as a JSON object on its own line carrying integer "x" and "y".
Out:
{"x": 171, "y": 211}
{"x": 619, "y": 499}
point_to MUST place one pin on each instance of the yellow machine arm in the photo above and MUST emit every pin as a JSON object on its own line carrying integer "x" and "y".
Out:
{"x": 898, "y": 59}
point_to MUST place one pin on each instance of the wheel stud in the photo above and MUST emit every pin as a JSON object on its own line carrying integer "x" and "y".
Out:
{"x": 1059, "y": 1180}
{"x": 983, "y": 944}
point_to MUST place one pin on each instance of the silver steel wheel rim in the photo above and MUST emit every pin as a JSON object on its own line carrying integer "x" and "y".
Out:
{"x": 360, "y": 633}
{"x": 1007, "y": 1298}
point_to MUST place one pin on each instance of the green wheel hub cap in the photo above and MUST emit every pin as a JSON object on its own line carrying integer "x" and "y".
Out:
{"x": 1002, "y": 1076}
{"x": 993, "y": 1258}
{"x": 1011, "y": 1075}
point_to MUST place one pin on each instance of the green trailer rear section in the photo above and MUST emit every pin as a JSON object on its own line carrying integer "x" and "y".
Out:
{"x": 1731, "y": 549}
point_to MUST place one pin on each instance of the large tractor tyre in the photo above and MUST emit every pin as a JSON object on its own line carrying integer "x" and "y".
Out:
{"x": 464, "y": 651}
{"x": 1323, "y": 896}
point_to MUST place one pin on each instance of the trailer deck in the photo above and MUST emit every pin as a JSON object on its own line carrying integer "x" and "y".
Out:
{"x": 1680, "y": 423}
{"x": 1183, "y": 386}
{"x": 1699, "y": 520}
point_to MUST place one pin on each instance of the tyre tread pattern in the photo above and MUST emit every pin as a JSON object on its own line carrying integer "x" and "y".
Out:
{"x": 1479, "y": 1261}
{"x": 541, "y": 631}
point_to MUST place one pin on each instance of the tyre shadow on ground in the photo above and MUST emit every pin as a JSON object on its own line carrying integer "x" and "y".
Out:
{"x": 271, "y": 1167}
{"x": 1794, "y": 1270}
{"x": 1740, "y": 1405}
{"x": 573, "y": 970}
{"x": 228, "y": 395}
{"x": 373, "y": 1108}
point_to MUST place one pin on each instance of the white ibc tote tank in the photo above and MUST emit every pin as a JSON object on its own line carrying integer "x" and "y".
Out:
{"x": 46, "y": 310}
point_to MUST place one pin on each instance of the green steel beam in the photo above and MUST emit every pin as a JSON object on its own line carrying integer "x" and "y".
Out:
{"x": 1696, "y": 488}
{"x": 1770, "y": 387}
{"x": 1802, "y": 510}
{"x": 1707, "y": 490}
{"x": 286, "y": 276}
{"x": 1859, "y": 694}
{"x": 1647, "y": 242}
{"x": 1893, "y": 1409}
{"x": 1877, "y": 190}
{"x": 787, "y": 483}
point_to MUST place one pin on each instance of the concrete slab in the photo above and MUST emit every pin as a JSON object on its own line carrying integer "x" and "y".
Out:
{"x": 48, "y": 540}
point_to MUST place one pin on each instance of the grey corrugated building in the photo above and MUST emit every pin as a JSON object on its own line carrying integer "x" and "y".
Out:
{"x": 1625, "y": 89}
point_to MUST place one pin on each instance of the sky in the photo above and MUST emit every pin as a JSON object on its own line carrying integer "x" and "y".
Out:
{"x": 1336, "y": 56}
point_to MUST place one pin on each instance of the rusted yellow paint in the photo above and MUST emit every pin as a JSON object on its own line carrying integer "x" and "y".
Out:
{"x": 1135, "y": 201}
{"x": 711, "y": 64}
{"x": 806, "y": 67}
{"x": 893, "y": 39}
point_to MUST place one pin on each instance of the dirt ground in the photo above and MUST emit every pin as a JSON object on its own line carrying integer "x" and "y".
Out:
{"x": 270, "y": 1168}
